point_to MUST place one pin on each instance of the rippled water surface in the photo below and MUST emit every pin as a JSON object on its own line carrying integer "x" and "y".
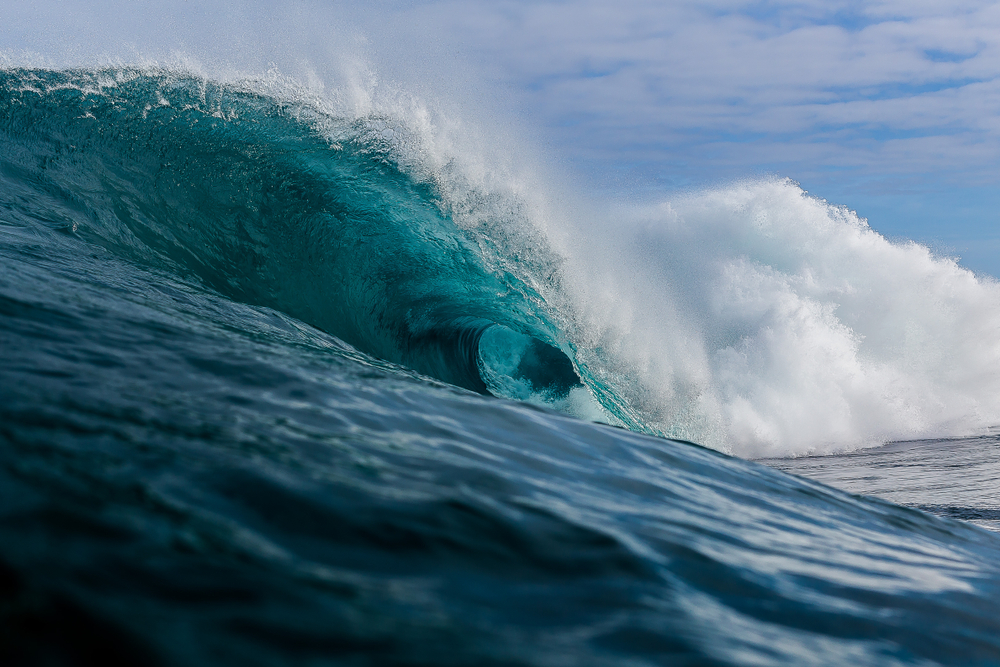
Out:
{"x": 958, "y": 478}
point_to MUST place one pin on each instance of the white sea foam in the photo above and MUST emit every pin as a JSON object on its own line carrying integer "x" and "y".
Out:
{"x": 758, "y": 319}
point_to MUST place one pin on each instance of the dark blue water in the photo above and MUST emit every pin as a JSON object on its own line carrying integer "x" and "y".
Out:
{"x": 249, "y": 416}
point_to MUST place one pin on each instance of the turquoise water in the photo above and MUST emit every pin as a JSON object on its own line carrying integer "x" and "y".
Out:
{"x": 264, "y": 400}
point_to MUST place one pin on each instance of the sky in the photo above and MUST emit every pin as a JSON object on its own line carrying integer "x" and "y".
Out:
{"x": 889, "y": 108}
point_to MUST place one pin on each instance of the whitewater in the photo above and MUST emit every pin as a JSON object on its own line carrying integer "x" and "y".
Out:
{"x": 309, "y": 372}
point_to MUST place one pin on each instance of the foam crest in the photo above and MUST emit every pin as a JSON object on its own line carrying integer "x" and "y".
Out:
{"x": 758, "y": 319}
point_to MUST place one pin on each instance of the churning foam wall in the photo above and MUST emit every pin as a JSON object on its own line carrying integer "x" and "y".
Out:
{"x": 760, "y": 320}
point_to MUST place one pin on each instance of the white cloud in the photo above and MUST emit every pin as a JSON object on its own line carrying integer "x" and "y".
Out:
{"x": 804, "y": 72}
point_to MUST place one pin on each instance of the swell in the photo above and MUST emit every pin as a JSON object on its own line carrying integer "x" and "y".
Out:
{"x": 276, "y": 203}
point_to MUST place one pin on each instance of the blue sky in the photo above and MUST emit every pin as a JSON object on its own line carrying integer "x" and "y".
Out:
{"x": 891, "y": 108}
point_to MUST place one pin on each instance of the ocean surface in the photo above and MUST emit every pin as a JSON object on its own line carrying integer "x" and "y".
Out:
{"x": 288, "y": 380}
{"x": 955, "y": 477}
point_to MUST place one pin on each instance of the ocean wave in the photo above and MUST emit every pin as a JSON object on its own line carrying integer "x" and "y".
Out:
{"x": 280, "y": 203}
{"x": 752, "y": 318}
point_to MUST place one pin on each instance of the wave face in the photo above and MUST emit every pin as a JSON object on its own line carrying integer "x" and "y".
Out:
{"x": 222, "y": 313}
{"x": 279, "y": 204}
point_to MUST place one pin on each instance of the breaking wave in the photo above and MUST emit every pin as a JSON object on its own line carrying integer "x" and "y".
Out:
{"x": 753, "y": 318}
